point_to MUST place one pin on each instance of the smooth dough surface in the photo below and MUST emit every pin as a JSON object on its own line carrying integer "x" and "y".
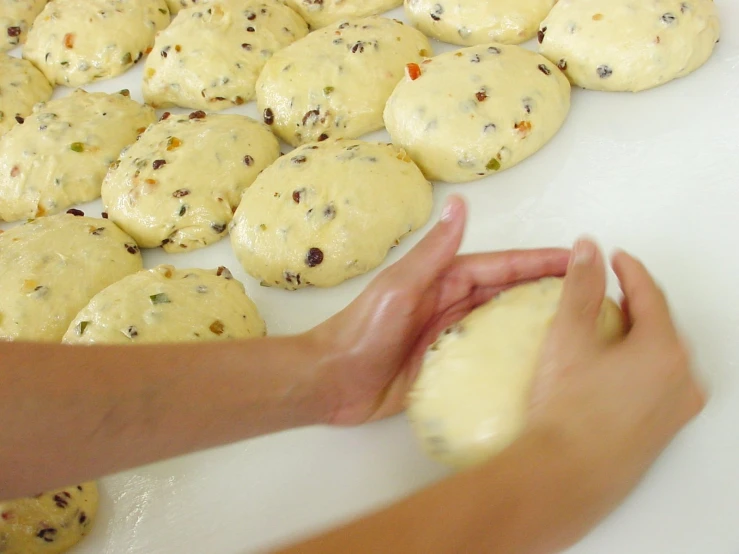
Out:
{"x": 209, "y": 58}
{"x": 629, "y": 45}
{"x": 477, "y": 111}
{"x": 75, "y": 42}
{"x": 175, "y": 6}
{"x": 61, "y": 153}
{"x": 325, "y": 12}
{"x": 51, "y": 267}
{"x": 327, "y": 212}
{"x": 335, "y": 82}
{"x": 50, "y": 523}
{"x": 164, "y": 305}
{"x": 470, "y": 22}
{"x": 471, "y": 398}
{"x": 180, "y": 183}
{"x": 22, "y": 86}
{"x": 16, "y": 17}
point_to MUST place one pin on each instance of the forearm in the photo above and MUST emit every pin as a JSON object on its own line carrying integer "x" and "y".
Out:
{"x": 74, "y": 413}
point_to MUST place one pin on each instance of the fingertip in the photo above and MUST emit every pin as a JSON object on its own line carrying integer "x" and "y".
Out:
{"x": 455, "y": 209}
{"x": 584, "y": 252}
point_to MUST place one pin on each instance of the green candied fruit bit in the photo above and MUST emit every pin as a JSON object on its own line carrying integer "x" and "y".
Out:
{"x": 160, "y": 298}
{"x": 328, "y": 90}
{"x": 493, "y": 165}
{"x": 162, "y": 11}
{"x": 81, "y": 326}
{"x": 125, "y": 91}
{"x": 77, "y": 147}
{"x": 127, "y": 58}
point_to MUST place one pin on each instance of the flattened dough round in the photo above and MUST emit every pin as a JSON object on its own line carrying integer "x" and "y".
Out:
{"x": 180, "y": 183}
{"x": 51, "y": 267}
{"x": 75, "y": 42}
{"x": 477, "y": 111}
{"x": 629, "y": 45}
{"x": 325, "y": 12}
{"x": 16, "y": 17}
{"x": 22, "y": 86}
{"x": 164, "y": 305}
{"x": 59, "y": 156}
{"x": 335, "y": 82}
{"x": 327, "y": 212}
{"x": 471, "y": 397}
{"x": 470, "y": 22}
{"x": 209, "y": 58}
{"x": 50, "y": 523}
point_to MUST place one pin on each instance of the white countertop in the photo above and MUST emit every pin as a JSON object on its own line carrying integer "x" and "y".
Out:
{"x": 656, "y": 173}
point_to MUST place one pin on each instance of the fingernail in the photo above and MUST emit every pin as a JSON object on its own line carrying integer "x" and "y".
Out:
{"x": 583, "y": 253}
{"x": 448, "y": 213}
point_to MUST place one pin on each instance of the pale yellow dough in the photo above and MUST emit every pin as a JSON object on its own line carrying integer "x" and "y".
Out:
{"x": 477, "y": 111}
{"x": 175, "y": 6}
{"x": 165, "y": 305}
{"x": 75, "y": 42}
{"x": 59, "y": 156}
{"x": 209, "y": 58}
{"x": 50, "y": 523}
{"x": 16, "y": 17}
{"x": 629, "y": 45}
{"x": 180, "y": 183}
{"x": 327, "y": 212}
{"x": 335, "y": 82}
{"x": 471, "y": 397}
{"x": 51, "y": 267}
{"x": 470, "y": 22}
{"x": 326, "y": 12}
{"x": 22, "y": 86}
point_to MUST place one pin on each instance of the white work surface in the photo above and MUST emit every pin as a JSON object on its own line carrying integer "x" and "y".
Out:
{"x": 656, "y": 173}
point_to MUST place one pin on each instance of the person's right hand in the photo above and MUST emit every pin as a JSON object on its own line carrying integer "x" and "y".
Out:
{"x": 611, "y": 409}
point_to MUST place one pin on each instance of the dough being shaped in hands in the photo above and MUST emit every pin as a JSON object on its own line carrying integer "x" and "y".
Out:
{"x": 166, "y": 305}
{"x": 629, "y": 45}
{"x": 22, "y": 86}
{"x": 471, "y": 398}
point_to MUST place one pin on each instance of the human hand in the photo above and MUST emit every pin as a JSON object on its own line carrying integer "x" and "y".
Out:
{"x": 610, "y": 410}
{"x": 373, "y": 349}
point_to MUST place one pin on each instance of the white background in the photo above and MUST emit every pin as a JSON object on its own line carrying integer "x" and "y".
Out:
{"x": 654, "y": 173}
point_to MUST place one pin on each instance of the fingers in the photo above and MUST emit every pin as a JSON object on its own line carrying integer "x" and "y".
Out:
{"x": 646, "y": 303}
{"x": 575, "y": 324}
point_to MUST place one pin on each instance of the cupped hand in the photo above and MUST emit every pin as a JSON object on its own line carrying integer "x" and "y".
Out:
{"x": 373, "y": 348}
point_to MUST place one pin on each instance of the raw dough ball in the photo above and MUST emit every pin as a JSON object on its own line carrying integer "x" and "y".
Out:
{"x": 60, "y": 155}
{"x": 325, "y": 12}
{"x": 16, "y": 17}
{"x": 75, "y": 42}
{"x": 50, "y": 523}
{"x": 327, "y": 212}
{"x": 629, "y": 45}
{"x": 22, "y": 86}
{"x": 335, "y": 82}
{"x": 472, "y": 395}
{"x": 210, "y": 56}
{"x": 51, "y": 267}
{"x": 175, "y": 6}
{"x": 165, "y": 304}
{"x": 180, "y": 183}
{"x": 469, "y": 22}
{"x": 467, "y": 114}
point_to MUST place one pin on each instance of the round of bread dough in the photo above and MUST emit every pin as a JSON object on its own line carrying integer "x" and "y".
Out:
{"x": 180, "y": 183}
{"x": 49, "y": 523}
{"x": 327, "y": 212}
{"x": 470, "y": 22}
{"x": 75, "y": 42}
{"x": 320, "y": 13}
{"x": 51, "y": 267}
{"x": 471, "y": 397}
{"x": 175, "y": 6}
{"x": 335, "y": 82}
{"x": 629, "y": 45}
{"x": 16, "y": 17}
{"x": 164, "y": 305}
{"x": 209, "y": 58}
{"x": 22, "y": 86}
{"x": 475, "y": 112}
{"x": 59, "y": 156}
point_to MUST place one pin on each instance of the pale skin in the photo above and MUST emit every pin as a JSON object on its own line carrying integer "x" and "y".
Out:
{"x": 600, "y": 415}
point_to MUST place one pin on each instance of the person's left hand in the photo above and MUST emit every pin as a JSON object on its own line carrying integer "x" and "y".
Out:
{"x": 374, "y": 347}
